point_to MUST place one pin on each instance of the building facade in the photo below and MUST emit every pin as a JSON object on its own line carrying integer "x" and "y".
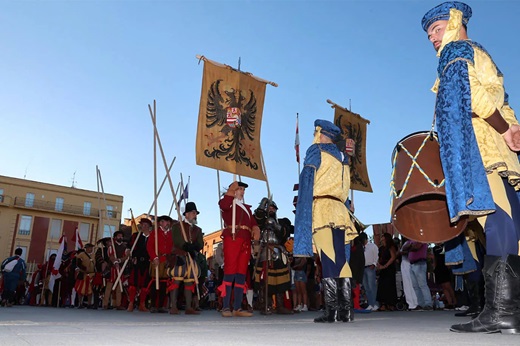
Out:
{"x": 34, "y": 215}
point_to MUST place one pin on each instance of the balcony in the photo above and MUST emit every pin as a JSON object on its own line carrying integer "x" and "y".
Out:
{"x": 22, "y": 202}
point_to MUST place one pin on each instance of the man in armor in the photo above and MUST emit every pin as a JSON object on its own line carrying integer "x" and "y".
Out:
{"x": 272, "y": 269}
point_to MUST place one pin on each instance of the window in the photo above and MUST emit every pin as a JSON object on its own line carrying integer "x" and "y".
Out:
{"x": 55, "y": 229}
{"x": 1, "y": 195}
{"x": 59, "y": 204}
{"x": 108, "y": 230}
{"x": 25, "y": 225}
{"x": 29, "y": 199}
{"x": 84, "y": 230}
{"x": 86, "y": 208}
{"x": 110, "y": 211}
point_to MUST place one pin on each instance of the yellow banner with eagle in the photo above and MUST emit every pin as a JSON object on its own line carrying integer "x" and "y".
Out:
{"x": 354, "y": 135}
{"x": 230, "y": 119}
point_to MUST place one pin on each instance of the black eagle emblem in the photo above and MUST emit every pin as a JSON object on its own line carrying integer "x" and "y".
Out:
{"x": 355, "y": 132}
{"x": 229, "y": 142}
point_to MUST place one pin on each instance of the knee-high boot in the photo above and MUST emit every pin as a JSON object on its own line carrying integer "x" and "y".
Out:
{"x": 331, "y": 301}
{"x": 345, "y": 306}
{"x": 501, "y": 311}
{"x": 173, "y": 302}
{"x": 188, "y": 295}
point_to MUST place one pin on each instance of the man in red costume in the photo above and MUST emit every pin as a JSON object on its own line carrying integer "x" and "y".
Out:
{"x": 159, "y": 259}
{"x": 237, "y": 247}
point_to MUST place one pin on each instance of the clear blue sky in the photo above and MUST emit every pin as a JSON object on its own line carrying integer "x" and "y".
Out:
{"x": 77, "y": 77}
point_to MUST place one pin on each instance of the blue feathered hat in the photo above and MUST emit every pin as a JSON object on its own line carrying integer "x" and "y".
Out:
{"x": 442, "y": 12}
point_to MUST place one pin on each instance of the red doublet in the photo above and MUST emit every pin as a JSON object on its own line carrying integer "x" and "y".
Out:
{"x": 164, "y": 245}
{"x": 237, "y": 252}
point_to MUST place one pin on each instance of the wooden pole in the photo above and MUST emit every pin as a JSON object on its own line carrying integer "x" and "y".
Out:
{"x": 218, "y": 198}
{"x": 156, "y": 134}
{"x": 109, "y": 229}
{"x": 155, "y": 192}
{"x": 160, "y": 188}
{"x": 129, "y": 256}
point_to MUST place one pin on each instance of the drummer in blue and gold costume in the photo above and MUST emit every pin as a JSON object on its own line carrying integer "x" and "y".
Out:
{"x": 322, "y": 217}
{"x": 478, "y": 136}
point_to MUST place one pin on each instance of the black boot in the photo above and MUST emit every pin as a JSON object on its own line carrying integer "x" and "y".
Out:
{"x": 475, "y": 298}
{"x": 280, "y": 308}
{"x": 345, "y": 306}
{"x": 501, "y": 311}
{"x": 330, "y": 297}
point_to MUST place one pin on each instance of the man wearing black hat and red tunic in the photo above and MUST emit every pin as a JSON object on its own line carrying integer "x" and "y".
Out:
{"x": 187, "y": 242}
{"x": 236, "y": 246}
{"x": 140, "y": 266}
{"x": 159, "y": 261}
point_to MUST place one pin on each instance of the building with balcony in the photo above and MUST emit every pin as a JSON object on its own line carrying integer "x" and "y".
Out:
{"x": 34, "y": 215}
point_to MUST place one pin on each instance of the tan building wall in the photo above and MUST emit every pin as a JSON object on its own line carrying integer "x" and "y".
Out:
{"x": 211, "y": 242}
{"x": 33, "y": 216}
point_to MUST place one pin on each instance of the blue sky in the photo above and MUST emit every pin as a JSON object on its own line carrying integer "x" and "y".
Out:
{"x": 77, "y": 78}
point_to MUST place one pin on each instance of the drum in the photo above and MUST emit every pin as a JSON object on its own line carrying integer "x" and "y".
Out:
{"x": 419, "y": 210}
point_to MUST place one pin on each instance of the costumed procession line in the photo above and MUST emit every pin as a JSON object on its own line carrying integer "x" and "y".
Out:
{"x": 202, "y": 57}
{"x": 158, "y": 141}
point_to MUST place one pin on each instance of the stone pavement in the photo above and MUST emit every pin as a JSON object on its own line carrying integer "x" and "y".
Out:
{"x": 25, "y": 325}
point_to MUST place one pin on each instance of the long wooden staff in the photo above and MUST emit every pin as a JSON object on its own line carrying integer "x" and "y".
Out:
{"x": 109, "y": 229}
{"x": 130, "y": 254}
{"x": 190, "y": 263}
{"x": 160, "y": 188}
{"x": 155, "y": 192}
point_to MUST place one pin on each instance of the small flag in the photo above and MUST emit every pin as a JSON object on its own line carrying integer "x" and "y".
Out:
{"x": 185, "y": 194}
{"x": 76, "y": 239}
{"x": 55, "y": 272}
{"x": 297, "y": 141}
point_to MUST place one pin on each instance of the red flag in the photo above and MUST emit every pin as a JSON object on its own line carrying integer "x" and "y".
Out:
{"x": 297, "y": 141}
{"x": 76, "y": 239}
{"x": 55, "y": 272}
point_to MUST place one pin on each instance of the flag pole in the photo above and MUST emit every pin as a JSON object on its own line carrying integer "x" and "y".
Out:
{"x": 218, "y": 194}
{"x": 297, "y": 144}
{"x": 160, "y": 188}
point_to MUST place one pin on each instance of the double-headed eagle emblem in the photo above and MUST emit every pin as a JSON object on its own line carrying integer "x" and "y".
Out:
{"x": 231, "y": 113}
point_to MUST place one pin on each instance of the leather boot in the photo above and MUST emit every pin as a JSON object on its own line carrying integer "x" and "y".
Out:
{"x": 345, "y": 306}
{"x": 330, "y": 297}
{"x": 132, "y": 291}
{"x": 173, "y": 302}
{"x": 188, "y": 295}
{"x": 474, "y": 296}
{"x": 280, "y": 308}
{"x": 501, "y": 311}
{"x": 142, "y": 300}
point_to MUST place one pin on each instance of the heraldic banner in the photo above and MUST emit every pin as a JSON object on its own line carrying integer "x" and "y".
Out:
{"x": 230, "y": 118}
{"x": 354, "y": 132}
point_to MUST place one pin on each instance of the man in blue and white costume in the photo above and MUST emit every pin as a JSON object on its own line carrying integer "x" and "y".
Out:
{"x": 322, "y": 217}
{"x": 479, "y": 140}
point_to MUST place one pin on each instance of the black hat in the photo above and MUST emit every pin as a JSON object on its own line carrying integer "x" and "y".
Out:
{"x": 145, "y": 220}
{"x": 116, "y": 233}
{"x": 88, "y": 245}
{"x": 190, "y": 206}
{"x": 244, "y": 185}
{"x": 165, "y": 218}
{"x": 273, "y": 204}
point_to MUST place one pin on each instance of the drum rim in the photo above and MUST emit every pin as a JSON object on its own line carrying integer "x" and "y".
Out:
{"x": 411, "y": 135}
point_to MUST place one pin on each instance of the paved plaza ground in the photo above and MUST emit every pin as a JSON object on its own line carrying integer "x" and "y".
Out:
{"x": 26, "y": 325}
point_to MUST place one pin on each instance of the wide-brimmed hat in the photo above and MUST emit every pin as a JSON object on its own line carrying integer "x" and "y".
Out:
{"x": 244, "y": 185}
{"x": 164, "y": 218}
{"x": 116, "y": 233}
{"x": 145, "y": 220}
{"x": 104, "y": 240}
{"x": 87, "y": 245}
{"x": 190, "y": 206}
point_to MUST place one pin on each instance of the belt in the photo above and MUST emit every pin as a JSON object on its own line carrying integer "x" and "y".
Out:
{"x": 370, "y": 266}
{"x": 239, "y": 227}
{"x": 419, "y": 260}
{"x": 327, "y": 197}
